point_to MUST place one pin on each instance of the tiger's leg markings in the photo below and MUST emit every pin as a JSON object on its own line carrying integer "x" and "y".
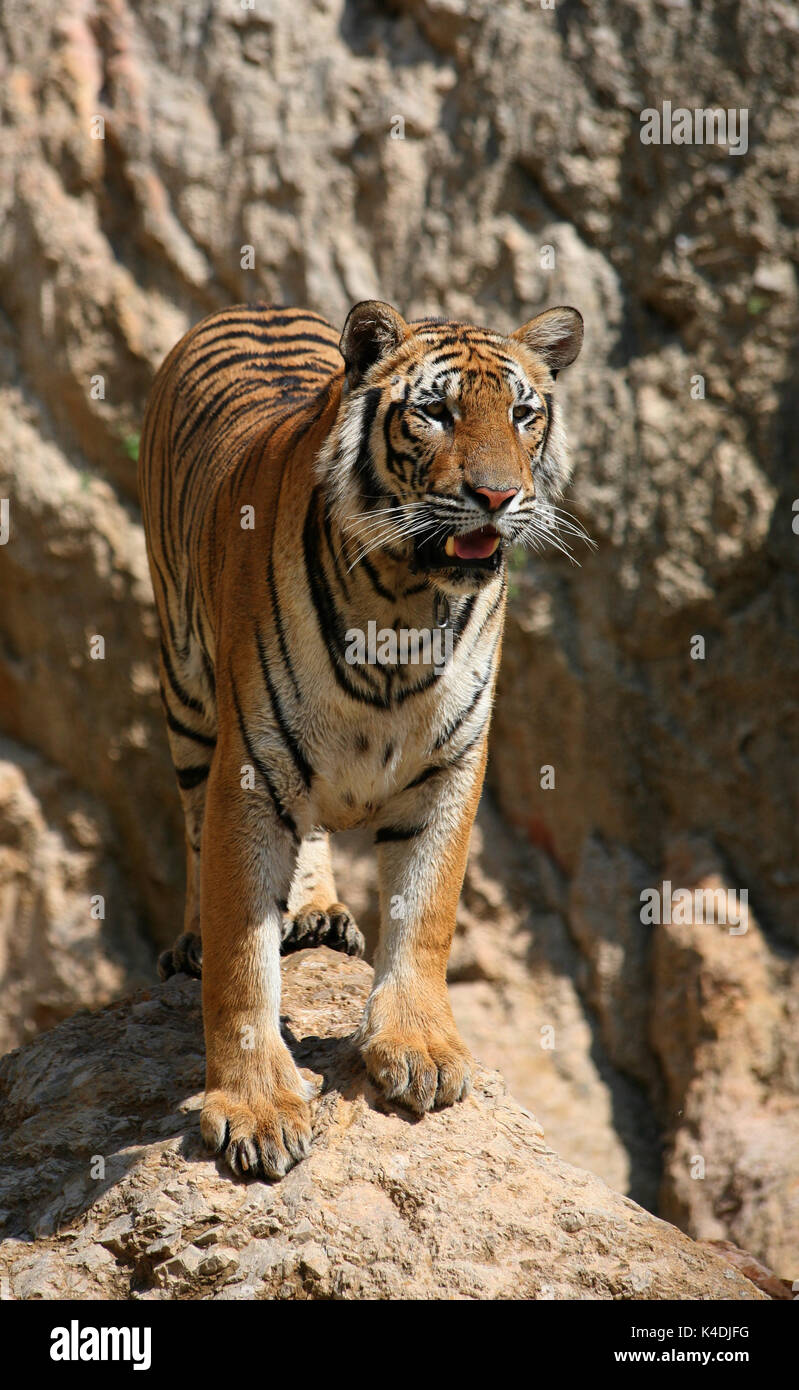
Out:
{"x": 185, "y": 957}
{"x": 408, "y": 1037}
{"x": 256, "y": 1111}
{"x": 315, "y": 917}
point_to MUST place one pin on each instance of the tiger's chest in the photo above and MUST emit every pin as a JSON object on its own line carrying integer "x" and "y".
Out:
{"x": 364, "y": 757}
{"x": 365, "y": 764}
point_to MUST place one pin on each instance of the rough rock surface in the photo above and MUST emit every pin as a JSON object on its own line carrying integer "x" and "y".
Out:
{"x": 777, "y": 1289}
{"x": 274, "y": 127}
{"x": 467, "y": 1203}
{"x": 723, "y": 1009}
{"x": 58, "y": 870}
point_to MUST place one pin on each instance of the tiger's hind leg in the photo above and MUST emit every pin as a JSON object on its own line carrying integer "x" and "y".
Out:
{"x": 314, "y": 916}
{"x": 192, "y": 752}
{"x": 186, "y": 956}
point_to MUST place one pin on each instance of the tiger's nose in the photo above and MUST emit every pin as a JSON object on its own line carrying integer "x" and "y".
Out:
{"x": 491, "y": 499}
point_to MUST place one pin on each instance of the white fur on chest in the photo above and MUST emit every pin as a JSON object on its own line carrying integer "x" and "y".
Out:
{"x": 371, "y": 755}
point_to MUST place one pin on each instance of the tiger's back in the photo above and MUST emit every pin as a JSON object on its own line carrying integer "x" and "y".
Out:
{"x": 224, "y": 389}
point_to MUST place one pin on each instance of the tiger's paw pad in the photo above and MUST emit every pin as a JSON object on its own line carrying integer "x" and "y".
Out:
{"x": 258, "y": 1139}
{"x": 335, "y": 928}
{"x": 419, "y": 1072}
{"x": 184, "y": 958}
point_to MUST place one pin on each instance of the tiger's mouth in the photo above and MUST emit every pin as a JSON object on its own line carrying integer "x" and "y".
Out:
{"x": 479, "y": 549}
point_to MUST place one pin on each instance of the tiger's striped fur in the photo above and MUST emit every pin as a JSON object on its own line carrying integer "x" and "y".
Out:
{"x": 293, "y": 490}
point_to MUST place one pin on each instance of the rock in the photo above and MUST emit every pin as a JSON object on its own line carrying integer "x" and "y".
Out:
{"x": 604, "y": 917}
{"x": 67, "y": 934}
{"x": 466, "y": 1203}
{"x": 778, "y": 1289}
{"x": 479, "y": 160}
{"x": 723, "y": 1006}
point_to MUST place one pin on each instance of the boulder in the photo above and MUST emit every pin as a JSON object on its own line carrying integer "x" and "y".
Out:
{"x": 107, "y": 1192}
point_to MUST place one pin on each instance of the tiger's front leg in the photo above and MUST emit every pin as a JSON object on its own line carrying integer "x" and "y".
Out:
{"x": 256, "y": 1103}
{"x": 408, "y": 1037}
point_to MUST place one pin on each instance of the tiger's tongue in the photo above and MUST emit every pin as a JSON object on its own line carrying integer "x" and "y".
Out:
{"x": 476, "y": 545}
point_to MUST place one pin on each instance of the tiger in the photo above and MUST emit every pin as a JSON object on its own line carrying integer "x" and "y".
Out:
{"x": 298, "y": 485}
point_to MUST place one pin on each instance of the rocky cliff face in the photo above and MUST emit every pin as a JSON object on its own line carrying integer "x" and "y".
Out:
{"x": 480, "y": 160}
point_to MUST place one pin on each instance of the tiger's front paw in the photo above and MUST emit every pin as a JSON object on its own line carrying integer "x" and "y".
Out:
{"x": 259, "y": 1138}
{"x": 420, "y": 1070}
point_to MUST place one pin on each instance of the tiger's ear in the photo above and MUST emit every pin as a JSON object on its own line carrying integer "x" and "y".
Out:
{"x": 556, "y": 335}
{"x": 372, "y": 330}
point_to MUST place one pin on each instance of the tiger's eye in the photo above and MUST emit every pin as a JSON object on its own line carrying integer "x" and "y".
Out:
{"x": 522, "y": 414}
{"x": 437, "y": 410}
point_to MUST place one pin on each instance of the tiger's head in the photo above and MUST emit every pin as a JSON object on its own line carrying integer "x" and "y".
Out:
{"x": 446, "y": 449}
